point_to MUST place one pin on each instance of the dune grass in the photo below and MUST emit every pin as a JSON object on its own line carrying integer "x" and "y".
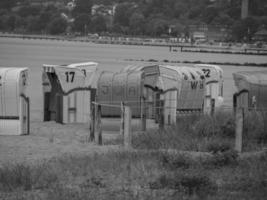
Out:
{"x": 132, "y": 175}
{"x": 153, "y": 174}
{"x": 206, "y": 133}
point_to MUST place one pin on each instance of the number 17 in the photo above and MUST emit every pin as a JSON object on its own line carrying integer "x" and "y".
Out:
{"x": 69, "y": 76}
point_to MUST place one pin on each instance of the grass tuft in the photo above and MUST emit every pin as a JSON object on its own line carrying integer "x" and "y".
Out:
{"x": 190, "y": 183}
{"x": 175, "y": 161}
{"x": 218, "y": 147}
{"x": 206, "y": 133}
{"x": 225, "y": 158}
{"x": 26, "y": 177}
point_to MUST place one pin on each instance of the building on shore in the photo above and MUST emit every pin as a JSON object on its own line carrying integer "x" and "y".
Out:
{"x": 206, "y": 32}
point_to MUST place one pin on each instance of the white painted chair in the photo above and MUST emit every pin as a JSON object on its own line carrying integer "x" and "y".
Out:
{"x": 14, "y": 103}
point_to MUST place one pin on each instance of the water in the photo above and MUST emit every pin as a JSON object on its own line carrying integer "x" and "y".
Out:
{"x": 34, "y": 53}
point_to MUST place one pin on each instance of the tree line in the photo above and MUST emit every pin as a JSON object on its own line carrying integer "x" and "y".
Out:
{"x": 133, "y": 17}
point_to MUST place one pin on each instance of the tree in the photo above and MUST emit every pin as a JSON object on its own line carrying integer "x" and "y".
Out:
{"x": 2, "y": 23}
{"x": 82, "y": 7}
{"x": 57, "y": 26}
{"x": 196, "y": 11}
{"x": 263, "y": 22}
{"x": 258, "y": 7}
{"x": 137, "y": 23}
{"x": 177, "y": 28}
{"x": 209, "y": 14}
{"x": 29, "y": 11}
{"x": 123, "y": 14}
{"x": 98, "y": 24}
{"x": 157, "y": 27}
{"x": 180, "y": 9}
{"x": 7, "y": 4}
{"x": 3, "y": 19}
{"x": 21, "y": 24}
{"x": 81, "y": 23}
{"x": 234, "y": 10}
{"x": 223, "y": 19}
{"x": 35, "y": 24}
{"x": 11, "y": 22}
{"x": 44, "y": 19}
{"x": 243, "y": 30}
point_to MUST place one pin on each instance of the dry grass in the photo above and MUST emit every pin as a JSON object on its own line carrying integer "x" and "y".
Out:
{"x": 153, "y": 175}
{"x": 206, "y": 133}
{"x": 129, "y": 175}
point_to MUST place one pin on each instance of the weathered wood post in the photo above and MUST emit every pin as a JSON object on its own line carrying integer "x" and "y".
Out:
{"x": 212, "y": 106}
{"x": 122, "y": 125}
{"x": 143, "y": 114}
{"x": 161, "y": 114}
{"x": 254, "y": 103}
{"x": 92, "y": 115}
{"x": 157, "y": 109}
{"x": 92, "y": 122}
{"x": 98, "y": 128}
{"x": 127, "y": 127}
{"x": 239, "y": 122}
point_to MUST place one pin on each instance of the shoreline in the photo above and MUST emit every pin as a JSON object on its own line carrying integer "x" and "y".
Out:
{"x": 173, "y": 47}
{"x": 200, "y": 62}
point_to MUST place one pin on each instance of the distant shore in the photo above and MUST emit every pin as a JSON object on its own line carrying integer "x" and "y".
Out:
{"x": 172, "y": 46}
{"x": 200, "y": 62}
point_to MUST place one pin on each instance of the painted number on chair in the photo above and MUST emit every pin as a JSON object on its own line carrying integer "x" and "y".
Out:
{"x": 84, "y": 72}
{"x": 69, "y": 76}
{"x": 206, "y": 72}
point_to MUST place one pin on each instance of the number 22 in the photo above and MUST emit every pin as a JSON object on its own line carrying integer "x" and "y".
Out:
{"x": 206, "y": 72}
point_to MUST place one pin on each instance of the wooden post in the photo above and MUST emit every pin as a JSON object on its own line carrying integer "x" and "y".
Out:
{"x": 98, "y": 128}
{"x": 92, "y": 115}
{"x": 254, "y": 103}
{"x": 93, "y": 95}
{"x": 161, "y": 115}
{"x": 122, "y": 126}
{"x": 239, "y": 121}
{"x": 157, "y": 110}
{"x": 92, "y": 122}
{"x": 143, "y": 114}
{"x": 212, "y": 107}
{"x": 127, "y": 125}
{"x": 205, "y": 104}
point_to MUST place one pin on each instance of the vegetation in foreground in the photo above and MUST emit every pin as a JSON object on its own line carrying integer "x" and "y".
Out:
{"x": 204, "y": 133}
{"x": 129, "y": 175}
{"x": 154, "y": 174}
